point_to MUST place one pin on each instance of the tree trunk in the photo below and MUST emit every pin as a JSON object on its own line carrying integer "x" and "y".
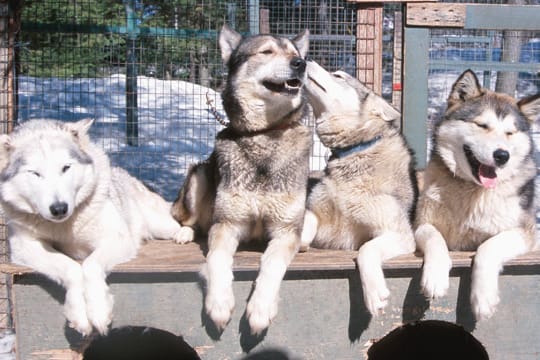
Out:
{"x": 507, "y": 80}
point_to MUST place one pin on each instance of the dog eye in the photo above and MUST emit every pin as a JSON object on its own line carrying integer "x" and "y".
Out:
{"x": 65, "y": 168}
{"x": 509, "y": 133}
{"x": 267, "y": 52}
{"x": 35, "y": 173}
{"x": 483, "y": 126}
{"x": 337, "y": 75}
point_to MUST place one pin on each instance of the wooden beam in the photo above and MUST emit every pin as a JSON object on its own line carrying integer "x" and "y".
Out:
{"x": 9, "y": 25}
{"x": 473, "y": 16}
{"x": 264, "y": 21}
{"x": 163, "y": 256}
{"x": 369, "y": 45}
{"x": 436, "y": 15}
{"x": 397, "y": 60}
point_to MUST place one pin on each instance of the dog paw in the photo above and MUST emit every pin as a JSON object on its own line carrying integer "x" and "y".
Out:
{"x": 376, "y": 299}
{"x": 184, "y": 235}
{"x": 435, "y": 279}
{"x": 99, "y": 311}
{"x": 484, "y": 295}
{"x": 484, "y": 305}
{"x": 79, "y": 322}
{"x": 219, "y": 308}
{"x": 260, "y": 313}
{"x": 75, "y": 312}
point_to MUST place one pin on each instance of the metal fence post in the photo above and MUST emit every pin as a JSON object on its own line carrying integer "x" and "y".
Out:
{"x": 132, "y": 125}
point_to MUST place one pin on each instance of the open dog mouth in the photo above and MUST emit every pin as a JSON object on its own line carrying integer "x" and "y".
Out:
{"x": 291, "y": 86}
{"x": 485, "y": 174}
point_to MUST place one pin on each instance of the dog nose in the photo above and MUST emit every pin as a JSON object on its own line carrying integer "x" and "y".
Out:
{"x": 297, "y": 63}
{"x": 58, "y": 208}
{"x": 501, "y": 157}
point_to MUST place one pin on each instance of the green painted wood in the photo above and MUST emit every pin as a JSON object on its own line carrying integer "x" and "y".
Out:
{"x": 415, "y": 83}
{"x": 484, "y": 65}
{"x": 321, "y": 314}
{"x": 502, "y": 17}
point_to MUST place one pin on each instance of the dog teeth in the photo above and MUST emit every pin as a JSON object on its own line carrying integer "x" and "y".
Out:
{"x": 293, "y": 84}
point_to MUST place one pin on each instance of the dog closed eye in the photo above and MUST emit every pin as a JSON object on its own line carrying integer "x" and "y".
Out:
{"x": 483, "y": 126}
{"x": 34, "y": 172}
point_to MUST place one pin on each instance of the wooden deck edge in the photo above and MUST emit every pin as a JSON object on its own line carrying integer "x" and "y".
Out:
{"x": 168, "y": 257}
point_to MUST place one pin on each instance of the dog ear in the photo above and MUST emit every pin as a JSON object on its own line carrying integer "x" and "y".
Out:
{"x": 80, "y": 127}
{"x": 228, "y": 41}
{"x": 301, "y": 41}
{"x": 382, "y": 109}
{"x": 530, "y": 107}
{"x": 5, "y": 150}
{"x": 466, "y": 87}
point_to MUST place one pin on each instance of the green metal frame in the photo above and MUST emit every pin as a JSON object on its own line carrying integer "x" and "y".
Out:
{"x": 417, "y": 63}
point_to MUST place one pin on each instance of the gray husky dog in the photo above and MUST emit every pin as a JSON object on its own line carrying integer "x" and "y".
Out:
{"x": 366, "y": 198}
{"x": 254, "y": 183}
{"x": 479, "y": 189}
{"x": 72, "y": 217}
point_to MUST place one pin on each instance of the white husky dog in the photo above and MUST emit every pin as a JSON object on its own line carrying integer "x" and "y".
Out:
{"x": 72, "y": 217}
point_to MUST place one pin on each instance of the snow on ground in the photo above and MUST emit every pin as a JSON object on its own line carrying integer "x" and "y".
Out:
{"x": 176, "y": 127}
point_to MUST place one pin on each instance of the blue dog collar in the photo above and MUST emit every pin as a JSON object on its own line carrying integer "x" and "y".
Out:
{"x": 349, "y": 150}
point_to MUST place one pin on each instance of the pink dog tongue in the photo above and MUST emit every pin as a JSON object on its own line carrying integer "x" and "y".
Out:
{"x": 487, "y": 176}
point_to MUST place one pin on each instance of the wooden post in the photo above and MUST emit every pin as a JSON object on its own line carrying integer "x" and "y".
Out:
{"x": 397, "y": 60}
{"x": 9, "y": 20}
{"x": 264, "y": 21}
{"x": 369, "y": 45}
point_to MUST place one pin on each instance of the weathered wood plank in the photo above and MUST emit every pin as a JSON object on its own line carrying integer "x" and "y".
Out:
{"x": 166, "y": 256}
{"x": 436, "y": 14}
{"x": 369, "y": 45}
{"x": 473, "y": 16}
{"x": 321, "y": 314}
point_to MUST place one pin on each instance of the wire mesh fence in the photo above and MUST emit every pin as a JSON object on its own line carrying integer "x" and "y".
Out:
{"x": 453, "y": 51}
{"x": 149, "y": 71}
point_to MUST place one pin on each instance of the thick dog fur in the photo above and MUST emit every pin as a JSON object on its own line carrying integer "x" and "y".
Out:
{"x": 366, "y": 198}
{"x": 254, "y": 183}
{"x": 72, "y": 217}
{"x": 479, "y": 189}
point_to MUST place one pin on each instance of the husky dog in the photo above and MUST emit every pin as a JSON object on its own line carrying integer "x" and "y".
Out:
{"x": 72, "y": 217}
{"x": 366, "y": 198}
{"x": 254, "y": 184}
{"x": 479, "y": 189}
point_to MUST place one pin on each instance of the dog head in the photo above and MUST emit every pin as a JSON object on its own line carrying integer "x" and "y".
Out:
{"x": 346, "y": 111}
{"x": 265, "y": 78}
{"x": 484, "y": 136}
{"x": 44, "y": 168}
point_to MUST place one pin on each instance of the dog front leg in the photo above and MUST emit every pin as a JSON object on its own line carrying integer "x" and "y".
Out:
{"x": 114, "y": 248}
{"x": 60, "y": 268}
{"x": 223, "y": 241}
{"x": 263, "y": 305}
{"x": 309, "y": 230}
{"x": 370, "y": 258}
{"x": 437, "y": 263}
{"x": 488, "y": 263}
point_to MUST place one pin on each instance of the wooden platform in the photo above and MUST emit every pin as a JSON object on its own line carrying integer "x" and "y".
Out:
{"x": 321, "y": 313}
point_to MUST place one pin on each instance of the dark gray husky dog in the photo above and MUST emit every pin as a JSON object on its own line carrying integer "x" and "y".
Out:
{"x": 254, "y": 183}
